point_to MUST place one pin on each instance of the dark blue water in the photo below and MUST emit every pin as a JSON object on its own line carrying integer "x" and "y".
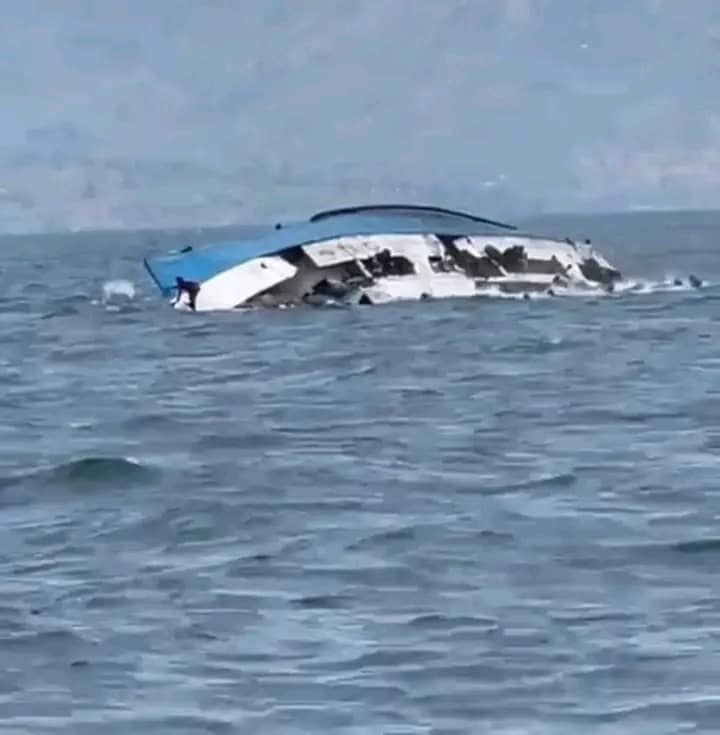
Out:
{"x": 463, "y": 517}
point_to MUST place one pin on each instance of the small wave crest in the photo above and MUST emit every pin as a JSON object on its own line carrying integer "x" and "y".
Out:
{"x": 93, "y": 470}
{"x": 87, "y": 472}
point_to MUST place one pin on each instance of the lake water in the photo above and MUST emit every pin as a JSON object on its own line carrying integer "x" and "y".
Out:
{"x": 482, "y": 516}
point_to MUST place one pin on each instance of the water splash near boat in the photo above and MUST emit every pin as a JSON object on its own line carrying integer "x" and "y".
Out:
{"x": 120, "y": 289}
{"x": 117, "y": 294}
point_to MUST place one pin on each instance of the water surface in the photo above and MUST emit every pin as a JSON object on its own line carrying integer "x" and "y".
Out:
{"x": 472, "y": 516}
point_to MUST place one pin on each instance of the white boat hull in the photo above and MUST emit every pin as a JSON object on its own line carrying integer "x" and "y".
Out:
{"x": 235, "y": 286}
{"x": 429, "y": 267}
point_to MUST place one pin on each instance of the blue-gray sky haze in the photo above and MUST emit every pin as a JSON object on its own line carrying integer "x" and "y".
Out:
{"x": 195, "y": 112}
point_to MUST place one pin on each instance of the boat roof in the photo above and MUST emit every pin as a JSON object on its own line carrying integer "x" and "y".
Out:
{"x": 408, "y": 210}
{"x": 201, "y": 263}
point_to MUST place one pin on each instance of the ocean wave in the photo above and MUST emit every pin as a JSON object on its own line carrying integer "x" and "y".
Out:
{"x": 87, "y": 472}
{"x": 91, "y": 470}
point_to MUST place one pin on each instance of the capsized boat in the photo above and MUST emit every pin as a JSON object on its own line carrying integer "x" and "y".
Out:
{"x": 374, "y": 254}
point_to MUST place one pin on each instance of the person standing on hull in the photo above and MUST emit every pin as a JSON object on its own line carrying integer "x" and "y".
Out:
{"x": 191, "y": 288}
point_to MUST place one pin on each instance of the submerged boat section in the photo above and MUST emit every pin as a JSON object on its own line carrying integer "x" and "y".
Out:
{"x": 375, "y": 254}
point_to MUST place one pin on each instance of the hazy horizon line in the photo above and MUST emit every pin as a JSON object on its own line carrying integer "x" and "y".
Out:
{"x": 527, "y": 217}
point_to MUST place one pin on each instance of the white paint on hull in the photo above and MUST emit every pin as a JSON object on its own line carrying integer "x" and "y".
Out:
{"x": 361, "y": 247}
{"x": 236, "y": 285}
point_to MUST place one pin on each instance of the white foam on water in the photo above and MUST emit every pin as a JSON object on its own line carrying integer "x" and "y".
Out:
{"x": 648, "y": 286}
{"x": 119, "y": 290}
{"x": 86, "y": 424}
{"x": 625, "y": 287}
{"x": 495, "y": 292}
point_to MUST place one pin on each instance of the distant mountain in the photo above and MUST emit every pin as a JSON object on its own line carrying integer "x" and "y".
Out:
{"x": 65, "y": 138}
{"x": 178, "y": 112}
